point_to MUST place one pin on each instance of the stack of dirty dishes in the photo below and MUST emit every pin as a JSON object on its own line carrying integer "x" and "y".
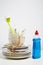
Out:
{"x": 16, "y": 48}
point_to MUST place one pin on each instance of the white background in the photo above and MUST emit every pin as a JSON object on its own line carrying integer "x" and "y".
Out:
{"x": 25, "y": 14}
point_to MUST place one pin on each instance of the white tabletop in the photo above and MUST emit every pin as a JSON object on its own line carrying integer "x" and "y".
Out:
{"x": 28, "y": 61}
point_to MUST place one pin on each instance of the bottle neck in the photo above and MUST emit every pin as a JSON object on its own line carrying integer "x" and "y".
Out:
{"x": 36, "y": 36}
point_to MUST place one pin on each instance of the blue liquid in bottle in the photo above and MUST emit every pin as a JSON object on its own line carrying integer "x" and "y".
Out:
{"x": 36, "y": 47}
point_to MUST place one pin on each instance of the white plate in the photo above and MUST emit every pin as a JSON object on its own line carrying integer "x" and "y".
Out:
{"x": 17, "y": 56}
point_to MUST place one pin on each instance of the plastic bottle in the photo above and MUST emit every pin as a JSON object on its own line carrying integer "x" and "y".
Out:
{"x": 36, "y": 51}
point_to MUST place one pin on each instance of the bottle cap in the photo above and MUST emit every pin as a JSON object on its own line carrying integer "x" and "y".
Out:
{"x": 36, "y": 32}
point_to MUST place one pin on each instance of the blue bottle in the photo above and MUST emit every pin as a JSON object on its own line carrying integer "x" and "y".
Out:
{"x": 36, "y": 52}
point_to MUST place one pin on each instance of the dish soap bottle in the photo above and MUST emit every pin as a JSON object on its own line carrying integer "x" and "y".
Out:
{"x": 36, "y": 52}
